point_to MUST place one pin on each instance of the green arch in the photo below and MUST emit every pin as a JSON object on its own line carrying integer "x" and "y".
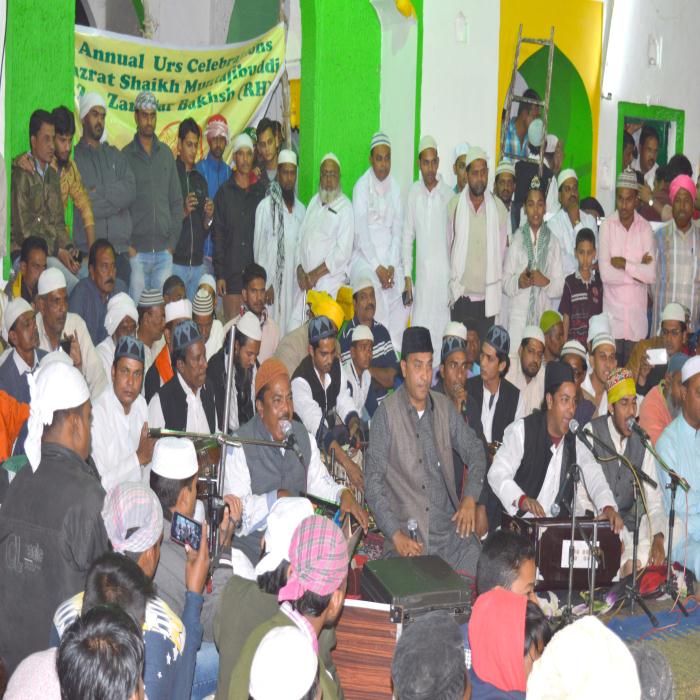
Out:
{"x": 569, "y": 110}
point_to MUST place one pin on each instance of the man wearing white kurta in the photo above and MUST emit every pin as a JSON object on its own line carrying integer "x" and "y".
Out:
{"x": 120, "y": 442}
{"x": 121, "y": 319}
{"x": 478, "y": 247}
{"x": 327, "y": 234}
{"x": 376, "y": 203}
{"x": 278, "y": 220}
{"x": 426, "y": 223}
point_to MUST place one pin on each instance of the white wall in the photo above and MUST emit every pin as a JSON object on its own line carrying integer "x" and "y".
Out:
{"x": 629, "y": 77}
{"x": 460, "y": 80}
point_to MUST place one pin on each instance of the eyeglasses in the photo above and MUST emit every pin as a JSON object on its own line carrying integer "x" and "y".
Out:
{"x": 673, "y": 332}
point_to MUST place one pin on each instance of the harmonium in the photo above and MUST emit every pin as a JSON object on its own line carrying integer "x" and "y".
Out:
{"x": 551, "y": 537}
{"x": 393, "y": 593}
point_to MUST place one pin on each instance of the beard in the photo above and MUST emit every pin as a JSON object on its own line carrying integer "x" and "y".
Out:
{"x": 288, "y": 197}
{"x": 328, "y": 196}
{"x": 244, "y": 379}
{"x": 673, "y": 408}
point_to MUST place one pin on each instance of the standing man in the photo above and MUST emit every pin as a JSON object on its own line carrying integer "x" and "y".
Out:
{"x": 678, "y": 255}
{"x": 426, "y": 224}
{"x": 516, "y": 135}
{"x": 90, "y": 296}
{"x": 120, "y": 320}
{"x": 646, "y": 164}
{"x": 376, "y": 204}
{"x": 409, "y": 466}
{"x": 45, "y": 552}
{"x": 120, "y": 443}
{"x": 278, "y": 221}
{"x": 216, "y": 172}
{"x": 504, "y": 186}
{"x": 234, "y": 225}
{"x": 527, "y": 370}
{"x": 479, "y": 244}
{"x": 326, "y": 236}
{"x": 268, "y": 145}
{"x": 32, "y": 262}
{"x": 627, "y": 267}
{"x": 151, "y": 322}
{"x": 156, "y": 211}
{"x": 110, "y": 185}
{"x": 188, "y": 256}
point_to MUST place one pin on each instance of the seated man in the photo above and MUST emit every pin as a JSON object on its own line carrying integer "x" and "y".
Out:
{"x": 260, "y": 475}
{"x": 663, "y": 403}
{"x": 174, "y": 289}
{"x": 321, "y": 395}
{"x": 385, "y": 367}
{"x": 409, "y": 467}
{"x": 357, "y": 370}
{"x": 527, "y": 469}
{"x": 574, "y": 355}
{"x": 507, "y": 560}
{"x": 32, "y": 262}
{"x": 151, "y": 322}
{"x": 121, "y": 447}
{"x": 120, "y": 320}
{"x": 185, "y": 402}
{"x": 552, "y": 326}
{"x": 20, "y": 331}
{"x": 246, "y": 347}
{"x": 603, "y": 362}
{"x": 526, "y": 371}
{"x": 211, "y": 328}
{"x": 678, "y": 447}
{"x": 612, "y": 429}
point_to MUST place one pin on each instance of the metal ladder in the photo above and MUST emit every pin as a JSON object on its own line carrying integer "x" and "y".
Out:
{"x": 510, "y": 98}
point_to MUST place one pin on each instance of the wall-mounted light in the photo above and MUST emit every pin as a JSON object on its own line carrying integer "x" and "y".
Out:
{"x": 655, "y": 45}
{"x": 461, "y": 29}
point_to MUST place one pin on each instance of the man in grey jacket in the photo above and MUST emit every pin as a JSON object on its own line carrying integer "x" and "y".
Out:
{"x": 409, "y": 472}
{"x": 157, "y": 211}
{"x": 109, "y": 182}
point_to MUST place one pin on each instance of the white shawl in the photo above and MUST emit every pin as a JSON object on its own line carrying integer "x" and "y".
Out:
{"x": 460, "y": 246}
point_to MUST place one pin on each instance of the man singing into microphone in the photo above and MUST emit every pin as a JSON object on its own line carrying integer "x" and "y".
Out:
{"x": 528, "y": 474}
{"x": 260, "y": 475}
{"x": 614, "y": 429}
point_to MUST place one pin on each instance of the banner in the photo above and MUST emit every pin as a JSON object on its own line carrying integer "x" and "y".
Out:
{"x": 235, "y": 81}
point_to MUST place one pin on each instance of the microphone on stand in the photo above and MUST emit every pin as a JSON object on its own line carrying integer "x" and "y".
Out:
{"x": 635, "y": 427}
{"x": 646, "y": 441}
{"x": 581, "y": 433}
{"x": 290, "y": 440}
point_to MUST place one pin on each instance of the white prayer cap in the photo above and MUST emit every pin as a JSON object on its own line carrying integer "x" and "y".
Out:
{"x": 180, "y": 309}
{"x": 50, "y": 280}
{"x": 90, "y": 100}
{"x": 426, "y": 141}
{"x": 533, "y": 332}
{"x": 690, "y": 368}
{"x": 505, "y": 166}
{"x": 609, "y": 672}
{"x": 284, "y": 517}
{"x": 56, "y": 356}
{"x": 360, "y": 283}
{"x": 564, "y": 175}
{"x": 602, "y": 339}
{"x": 379, "y": 139}
{"x": 330, "y": 156}
{"x": 203, "y": 304}
{"x": 55, "y": 387}
{"x": 208, "y": 279}
{"x": 550, "y": 143}
{"x": 287, "y": 156}
{"x": 600, "y": 323}
{"x": 535, "y": 132}
{"x": 242, "y": 141}
{"x": 573, "y": 347}
{"x": 285, "y": 665}
{"x": 362, "y": 332}
{"x": 174, "y": 458}
{"x": 119, "y": 307}
{"x": 673, "y": 311}
{"x": 249, "y": 325}
{"x": 461, "y": 149}
{"x": 457, "y": 329}
{"x": 477, "y": 153}
{"x": 13, "y": 311}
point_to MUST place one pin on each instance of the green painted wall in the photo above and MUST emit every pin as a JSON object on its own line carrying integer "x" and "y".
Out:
{"x": 38, "y": 67}
{"x": 418, "y": 7}
{"x": 250, "y": 18}
{"x": 340, "y": 58}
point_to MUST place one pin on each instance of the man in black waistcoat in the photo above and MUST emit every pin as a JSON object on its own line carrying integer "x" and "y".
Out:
{"x": 260, "y": 475}
{"x": 185, "y": 402}
{"x": 322, "y": 400}
{"x": 612, "y": 429}
{"x": 536, "y": 456}
{"x": 499, "y": 404}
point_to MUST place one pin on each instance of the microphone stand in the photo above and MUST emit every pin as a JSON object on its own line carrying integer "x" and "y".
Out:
{"x": 567, "y": 616}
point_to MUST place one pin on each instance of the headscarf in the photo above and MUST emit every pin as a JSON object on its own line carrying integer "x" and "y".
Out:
{"x": 497, "y": 639}
{"x": 55, "y": 387}
{"x": 90, "y": 100}
{"x": 119, "y": 307}
{"x": 216, "y": 126}
{"x": 133, "y": 508}
{"x": 682, "y": 182}
{"x": 620, "y": 384}
{"x": 322, "y": 304}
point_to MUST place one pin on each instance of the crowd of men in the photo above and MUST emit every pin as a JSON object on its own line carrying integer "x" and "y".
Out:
{"x": 433, "y": 347}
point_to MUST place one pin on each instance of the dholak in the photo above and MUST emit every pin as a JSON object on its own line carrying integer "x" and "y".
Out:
{"x": 551, "y": 537}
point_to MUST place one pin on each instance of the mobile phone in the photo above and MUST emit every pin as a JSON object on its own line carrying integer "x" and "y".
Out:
{"x": 406, "y": 297}
{"x": 65, "y": 345}
{"x": 184, "y": 531}
{"x": 657, "y": 356}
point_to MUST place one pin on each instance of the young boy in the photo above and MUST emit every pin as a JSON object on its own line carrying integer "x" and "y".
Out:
{"x": 583, "y": 290}
{"x": 357, "y": 369}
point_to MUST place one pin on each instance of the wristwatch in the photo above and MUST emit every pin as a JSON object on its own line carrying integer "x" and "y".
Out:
{"x": 651, "y": 202}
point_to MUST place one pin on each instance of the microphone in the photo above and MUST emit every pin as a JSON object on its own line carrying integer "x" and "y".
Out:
{"x": 290, "y": 440}
{"x": 581, "y": 434}
{"x": 635, "y": 427}
{"x": 154, "y": 433}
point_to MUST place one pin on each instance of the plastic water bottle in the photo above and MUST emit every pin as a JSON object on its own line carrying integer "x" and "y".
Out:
{"x": 412, "y": 526}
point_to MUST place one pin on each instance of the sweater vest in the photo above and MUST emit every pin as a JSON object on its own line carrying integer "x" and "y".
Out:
{"x": 326, "y": 399}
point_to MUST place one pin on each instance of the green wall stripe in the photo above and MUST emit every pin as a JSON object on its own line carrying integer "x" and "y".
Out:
{"x": 418, "y": 7}
{"x": 251, "y": 18}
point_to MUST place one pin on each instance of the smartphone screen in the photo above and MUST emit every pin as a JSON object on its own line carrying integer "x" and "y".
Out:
{"x": 657, "y": 356}
{"x": 184, "y": 531}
